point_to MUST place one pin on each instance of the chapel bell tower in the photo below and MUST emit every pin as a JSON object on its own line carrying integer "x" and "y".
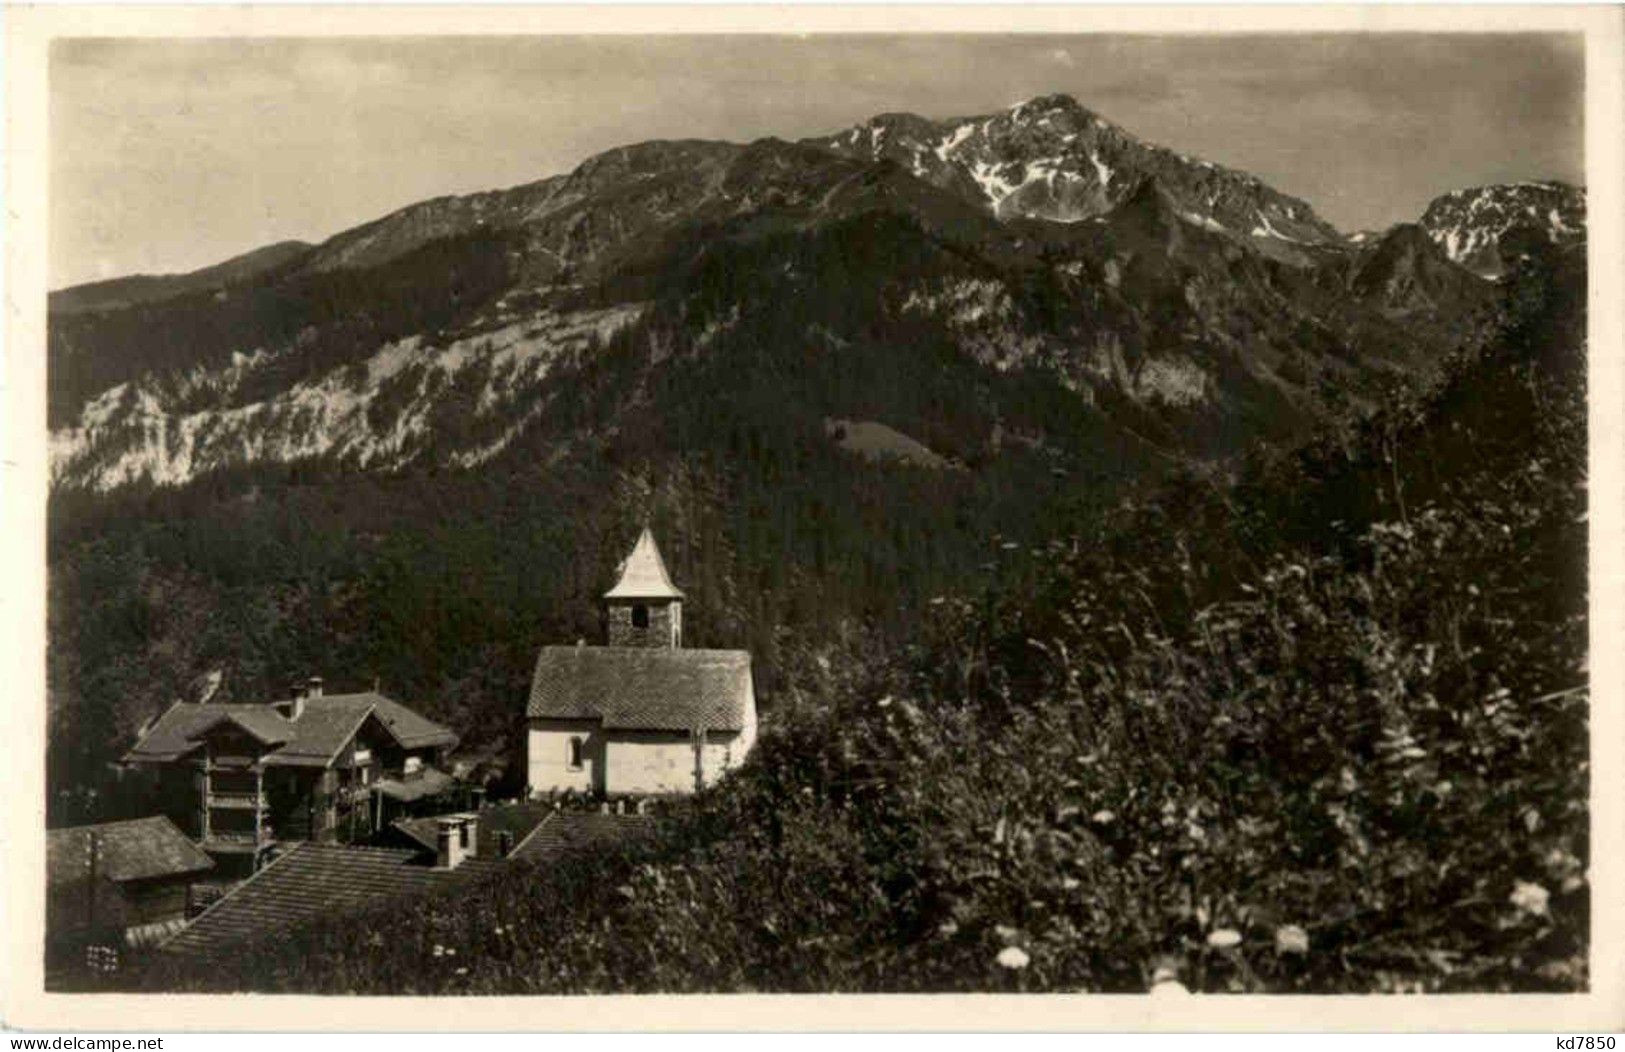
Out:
{"x": 644, "y": 608}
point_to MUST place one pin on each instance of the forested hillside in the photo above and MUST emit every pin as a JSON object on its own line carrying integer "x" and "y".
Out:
{"x": 1322, "y": 727}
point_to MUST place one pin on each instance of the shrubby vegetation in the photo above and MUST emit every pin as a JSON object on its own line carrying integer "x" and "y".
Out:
{"x": 1319, "y": 728}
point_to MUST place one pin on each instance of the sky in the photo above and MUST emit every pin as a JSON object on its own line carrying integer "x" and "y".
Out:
{"x": 169, "y": 155}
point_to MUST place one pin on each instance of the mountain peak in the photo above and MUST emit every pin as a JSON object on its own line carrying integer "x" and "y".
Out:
{"x": 1407, "y": 270}
{"x": 1471, "y": 224}
{"x": 1408, "y": 237}
{"x": 1051, "y": 158}
{"x": 1049, "y": 104}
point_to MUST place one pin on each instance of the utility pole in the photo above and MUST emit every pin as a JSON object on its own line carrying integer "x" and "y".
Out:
{"x": 95, "y": 861}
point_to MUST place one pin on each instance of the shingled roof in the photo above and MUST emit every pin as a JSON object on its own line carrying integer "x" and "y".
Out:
{"x": 643, "y": 688}
{"x": 322, "y": 729}
{"x": 410, "y": 729}
{"x": 518, "y": 820}
{"x": 643, "y": 574}
{"x": 139, "y": 849}
{"x": 314, "y": 881}
{"x": 259, "y": 722}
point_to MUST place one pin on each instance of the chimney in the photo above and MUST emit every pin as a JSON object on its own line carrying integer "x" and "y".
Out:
{"x": 504, "y": 843}
{"x": 471, "y": 835}
{"x": 448, "y": 843}
{"x": 315, "y": 686}
{"x": 296, "y": 706}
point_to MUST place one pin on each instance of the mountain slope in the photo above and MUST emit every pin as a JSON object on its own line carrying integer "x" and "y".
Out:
{"x": 1406, "y": 271}
{"x": 604, "y": 228}
{"x": 1471, "y": 225}
{"x": 1144, "y": 320}
{"x": 1051, "y": 158}
{"x": 567, "y": 219}
{"x": 1159, "y": 313}
{"x": 411, "y": 452}
{"x": 142, "y": 288}
{"x": 1302, "y": 718}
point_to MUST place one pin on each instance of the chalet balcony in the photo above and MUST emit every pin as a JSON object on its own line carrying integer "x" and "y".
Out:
{"x": 238, "y": 801}
{"x": 351, "y": 795}
{"x": 228, "y": 764}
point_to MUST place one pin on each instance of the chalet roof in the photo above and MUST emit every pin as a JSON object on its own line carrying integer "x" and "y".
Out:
{"x": 258, "y": 722}
{"x": 643, "y": 574}
{"x": 644, "y": 688}
{"x": 138, "y": 849}
{"x": 325, "y": 725}
{"x": 322, "y": 729}
{"x": 410, "y": 729}
{"x": 175, "y": 733}
{"x": 314, "y": 881}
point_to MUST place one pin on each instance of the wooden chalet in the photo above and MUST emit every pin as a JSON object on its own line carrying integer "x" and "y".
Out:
{"x": 119, "y": 883}
{"x": 239, "y": 778}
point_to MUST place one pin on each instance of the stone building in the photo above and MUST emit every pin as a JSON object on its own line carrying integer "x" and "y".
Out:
{"x": 643, "y": 715}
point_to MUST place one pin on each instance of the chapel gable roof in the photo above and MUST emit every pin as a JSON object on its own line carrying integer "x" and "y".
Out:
{"x": 644, "y": 688}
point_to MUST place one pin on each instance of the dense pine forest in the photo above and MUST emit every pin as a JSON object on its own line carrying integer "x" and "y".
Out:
{"x": 1314, "y": 723}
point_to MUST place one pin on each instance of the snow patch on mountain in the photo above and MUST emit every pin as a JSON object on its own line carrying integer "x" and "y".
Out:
{"x": 1264, "y": 228}
{"x": 945, "y": 149}
{"x": 1470, "y": 225}
{"x": 1103, "y": 171}
{"x": 1050, "y": 158}
{"x": 994, "y": 185}
{"x": 1205, "y": 222}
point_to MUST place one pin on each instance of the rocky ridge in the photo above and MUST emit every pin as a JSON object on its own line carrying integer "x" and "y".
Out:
{"x": 1167, "y": 298}
{"x": 1472, "y": 225}
{"x": 1052, "y": 158}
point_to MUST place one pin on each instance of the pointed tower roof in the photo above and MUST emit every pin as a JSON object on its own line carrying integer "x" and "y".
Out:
{"x": 643, "y": 574}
